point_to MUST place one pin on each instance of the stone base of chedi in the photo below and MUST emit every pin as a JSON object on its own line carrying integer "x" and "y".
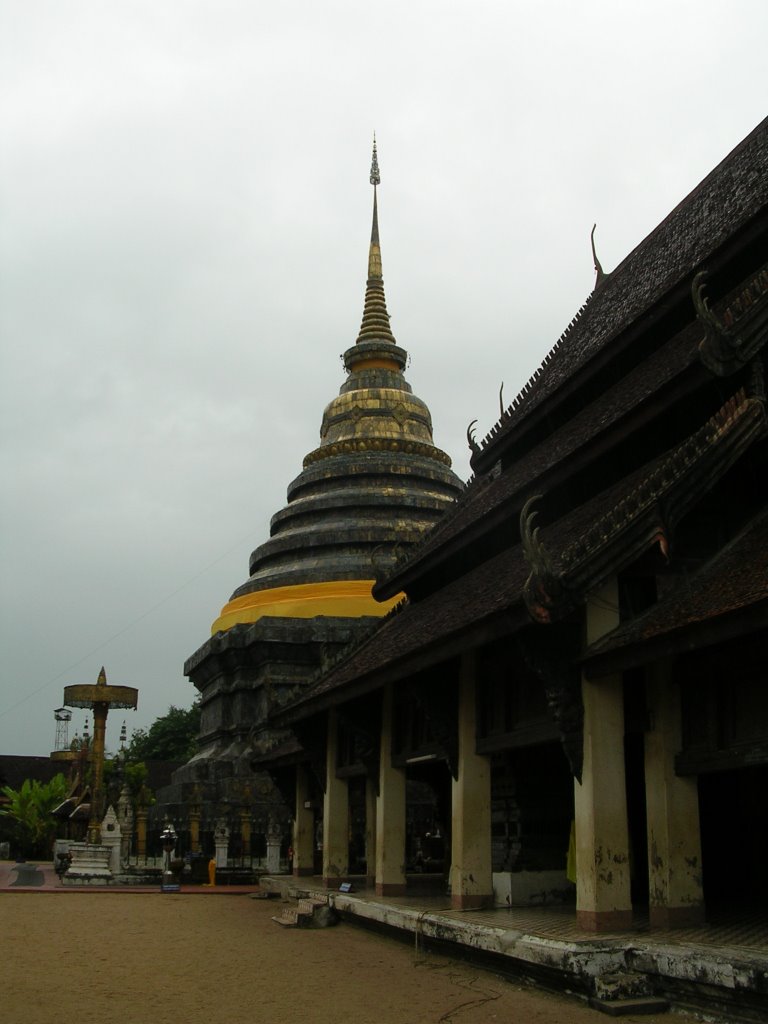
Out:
{"x": 90, "y": 865}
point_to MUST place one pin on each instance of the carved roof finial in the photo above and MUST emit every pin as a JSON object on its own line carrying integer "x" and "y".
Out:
{"x": 474, "y": 447}
{"x": 374, "y": 255}
{"x": 375, "y": 176}
{"x": 600, "y": 274}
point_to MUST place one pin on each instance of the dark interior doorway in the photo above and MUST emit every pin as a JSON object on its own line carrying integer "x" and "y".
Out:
{"x": 734, "y": 837}
{"x": 358, "y": 864}
{"x": 428, "y": 825}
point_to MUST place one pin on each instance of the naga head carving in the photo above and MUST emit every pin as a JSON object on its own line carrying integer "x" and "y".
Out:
{"x": 474, "y": 447}
{"x": 543, "y": 586}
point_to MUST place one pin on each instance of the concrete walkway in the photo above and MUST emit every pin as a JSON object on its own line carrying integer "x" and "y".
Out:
{"x": 720, "y": 967}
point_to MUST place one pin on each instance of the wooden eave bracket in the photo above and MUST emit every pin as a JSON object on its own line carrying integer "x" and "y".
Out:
{"x": 732, "y": 338}
{"x": 642, "y": 518}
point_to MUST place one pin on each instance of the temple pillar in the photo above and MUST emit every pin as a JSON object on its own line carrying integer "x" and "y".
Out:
{"x": 194, "y": 829}
{"x": 245, "y": 833}
{"x": 603, "y": 900}
{"x": 335, "y": 813}
{"x": 141, "y": 833}
{"x": 303, "y": 826}
{"x": 676, "y": 896}
{"x": 390, "y": 811}
{"x": 471, "y": 864}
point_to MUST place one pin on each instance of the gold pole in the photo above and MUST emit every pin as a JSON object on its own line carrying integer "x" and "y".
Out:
{"x": 97, "y": 782}
{"x": 245, "y": 832}
{"x": 194, "y": 829}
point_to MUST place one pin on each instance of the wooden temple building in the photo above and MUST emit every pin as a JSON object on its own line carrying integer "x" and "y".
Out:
{"x": 578, "y": 671}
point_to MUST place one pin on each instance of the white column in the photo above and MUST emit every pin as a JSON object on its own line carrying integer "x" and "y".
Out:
{"x": 390, "y": 812}
{"x": 335, "y": 814}
{"x": 672, "y": 805}
{"x": 471, "y": 864}
{"x": 603, "y": 900}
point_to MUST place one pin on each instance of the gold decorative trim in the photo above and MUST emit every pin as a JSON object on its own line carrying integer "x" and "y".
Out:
{"x": 375, "y": 364}
{"x": 338, "y": 598}
{"x": 377, "y": 444}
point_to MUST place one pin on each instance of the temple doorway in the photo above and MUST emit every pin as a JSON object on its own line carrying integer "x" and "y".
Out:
{"x": 734, "y": 838}
{"x": 358, "y": 825}
{"x": 531, "y": 809}
{"x": 428, "y": 825}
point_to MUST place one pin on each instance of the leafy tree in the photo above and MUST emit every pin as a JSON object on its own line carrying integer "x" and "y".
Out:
{"x": 172, "y": 737}
{"x": 119, "y": 771}
{"x": 136, "y": 777}
{"x": 29, "y": 809}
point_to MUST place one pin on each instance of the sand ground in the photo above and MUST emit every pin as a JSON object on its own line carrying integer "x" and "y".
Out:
{"x": 153, "y": 958}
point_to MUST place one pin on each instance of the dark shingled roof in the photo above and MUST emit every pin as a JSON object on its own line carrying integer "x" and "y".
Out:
{"x": 485, "y": 494}
{"x": 487, "y": 598}
{"x": 725, "y": 201}
{"x": 734, "y": 580}
{"x": 731, "y": 195}
{"x": 484, "y": 594}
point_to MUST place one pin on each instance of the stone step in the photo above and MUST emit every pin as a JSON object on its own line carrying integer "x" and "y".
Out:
{"x": 621, "y": 984}
{"x": 634, "y": 1004}
{"x": 288, "y": 919}
{"x": 307, "y": 905}
{"x": 292, "y": 893}
{"x": 311, "y": 910}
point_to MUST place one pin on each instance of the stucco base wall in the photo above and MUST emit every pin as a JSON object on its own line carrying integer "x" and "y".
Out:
{"x": 531, "y": 888}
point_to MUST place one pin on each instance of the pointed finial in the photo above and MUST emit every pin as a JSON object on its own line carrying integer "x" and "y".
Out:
{"x": 374, "y": 256}
{"x": 600, "y": 274}
{"x": 102, "y": 680}
{"x": 375, "y": 176}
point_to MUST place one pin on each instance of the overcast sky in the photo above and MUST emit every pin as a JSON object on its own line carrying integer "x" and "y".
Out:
{"x": 185, "y": 222}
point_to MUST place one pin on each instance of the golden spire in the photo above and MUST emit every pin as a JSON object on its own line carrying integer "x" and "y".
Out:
{"x": 375, "y": 325}
{"x": 374, "y": 255}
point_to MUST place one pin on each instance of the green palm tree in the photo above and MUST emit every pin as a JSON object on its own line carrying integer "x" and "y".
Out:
{"x": 29, "y": 807}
